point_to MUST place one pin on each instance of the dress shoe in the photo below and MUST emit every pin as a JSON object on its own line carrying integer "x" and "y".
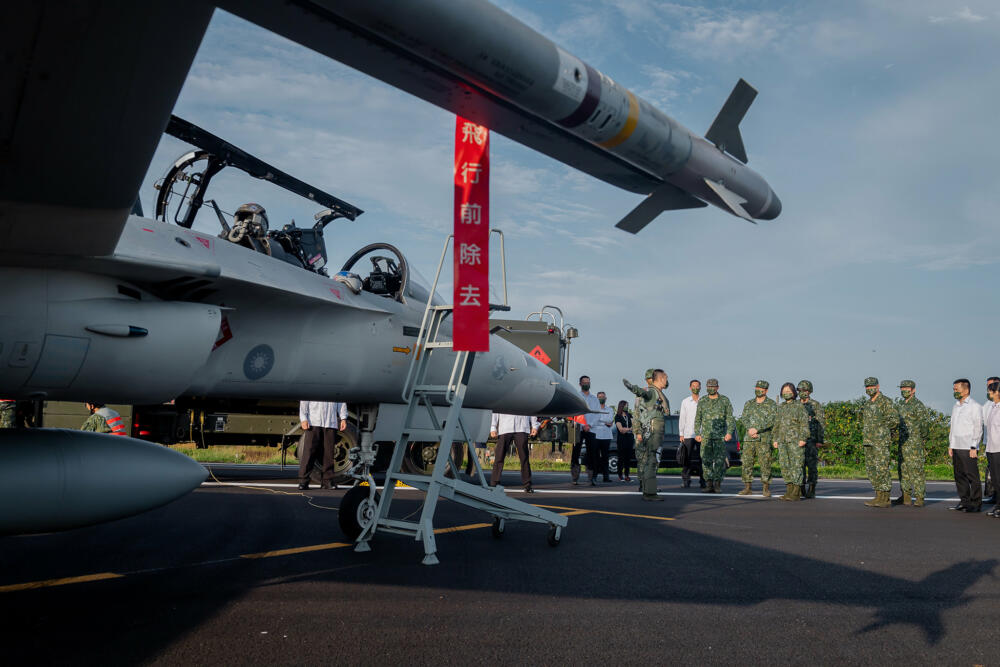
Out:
{"x": 959, "y": 507}
{"x": 303, "y": 486}
{"x": 529, "y": 489}
{"x": 326, "y": 485}
{"x": 971, "y": 510}
{"x": 992, "y": 500}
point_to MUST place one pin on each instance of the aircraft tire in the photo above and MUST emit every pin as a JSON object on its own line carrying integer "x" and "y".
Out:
{"x": 355, "y": 511}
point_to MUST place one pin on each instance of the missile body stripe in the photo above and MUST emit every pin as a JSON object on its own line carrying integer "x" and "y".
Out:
{"x": 589, "y": 102}
{"x": 630, "y": 123}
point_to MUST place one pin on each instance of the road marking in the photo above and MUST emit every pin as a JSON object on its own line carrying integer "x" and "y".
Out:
{"x": 580, "y": 511}
{"x": 299, "y": 550}
{"x": 458, "y": 529}
{"x": 60, "y": 582}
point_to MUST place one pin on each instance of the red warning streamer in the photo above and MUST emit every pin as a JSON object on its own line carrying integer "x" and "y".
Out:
{"x": 472, "y": 237}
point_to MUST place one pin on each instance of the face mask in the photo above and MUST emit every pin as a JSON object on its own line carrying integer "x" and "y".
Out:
{"x": 585, "y": 386}
{"x": 957, "y": 395}
{"x": 905, "y": 393}
{"x": 712, "y": 391}
{"x": 871, "y": 391}
{"x": 758, "y": 392}
{"x": 601, "y": 400}
{"x": 787, "y": 395}
{"x": 666, "y": 383}
{"x": 804, "y": 395}
{"x": 696, "y": 391}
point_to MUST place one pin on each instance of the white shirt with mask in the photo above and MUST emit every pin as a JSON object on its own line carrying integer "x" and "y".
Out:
{"x": 992, "y": 431}
{"x": 966, "y": 425}
{"x": 689, "y": 407}
{"x": 602, "y": 428}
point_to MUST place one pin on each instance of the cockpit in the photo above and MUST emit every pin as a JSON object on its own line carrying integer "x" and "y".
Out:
{"x": 181, "y": 194}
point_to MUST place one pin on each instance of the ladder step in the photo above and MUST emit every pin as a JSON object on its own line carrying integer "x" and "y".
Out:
{"x": 405, "y": 527}
{"x": 446, "y": 344}
{"x": 431, "y": 389}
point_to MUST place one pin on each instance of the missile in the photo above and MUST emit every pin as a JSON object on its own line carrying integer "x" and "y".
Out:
{"x": 57, "y": 479}
{"x": 475, "y": 60}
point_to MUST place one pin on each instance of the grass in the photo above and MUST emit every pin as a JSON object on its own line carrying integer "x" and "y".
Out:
{"x": 272, "y": 455}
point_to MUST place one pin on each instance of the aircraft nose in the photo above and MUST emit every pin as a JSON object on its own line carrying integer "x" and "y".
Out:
{"x": 773, "y": 208}
{"x": 566, "y": 401}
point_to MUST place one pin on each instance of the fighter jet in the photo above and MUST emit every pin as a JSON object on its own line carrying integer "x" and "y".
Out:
{"x": 251, "y": 312}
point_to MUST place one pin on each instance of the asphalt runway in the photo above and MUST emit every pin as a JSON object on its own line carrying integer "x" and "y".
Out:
{"x": 260, "y": 573}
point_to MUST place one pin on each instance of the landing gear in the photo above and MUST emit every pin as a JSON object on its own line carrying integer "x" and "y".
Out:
{"x": 555, "y": 535}
{"x": 357, "y": 510}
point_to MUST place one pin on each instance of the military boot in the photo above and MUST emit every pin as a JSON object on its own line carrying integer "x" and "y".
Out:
{"x": 796, "y": 492}
{"x": 918, "y": 502}
{"x": 906, "y": 499}
{"x": 882, "y": 499}
{"x": 746, "y": 490}
{"x": 873, "y": 502}
{"x": 767, "y": 490}
{"x": 709, "y": 487}
{"x": 810, "y": 490}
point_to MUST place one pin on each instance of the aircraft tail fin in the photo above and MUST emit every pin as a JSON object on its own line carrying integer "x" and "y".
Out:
{"x": 725, "y": 130}
{"x": 667, "y": 197}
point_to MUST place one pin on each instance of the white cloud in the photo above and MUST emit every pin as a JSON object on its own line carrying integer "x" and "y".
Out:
{"x": 963, "y": 15}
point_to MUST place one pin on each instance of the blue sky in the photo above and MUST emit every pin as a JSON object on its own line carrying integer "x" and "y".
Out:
{"x": 875, "y": 124}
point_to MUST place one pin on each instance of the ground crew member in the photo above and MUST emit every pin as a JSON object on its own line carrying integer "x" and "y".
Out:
{"x": 758, "y": 419}
{"x": 879, "y": 417}
{"x": 791, "y": 430}
{"x": 96, "y": 422}
{"x": 8, "y": 413}
{"x": 320, "y": 422}
{"x": 713, "y": 427}
{"x": 913, "y": 423}
{"x": 651, "y": 410}
{"x": 512, "y": 430}
{"x": 817, "y": 426}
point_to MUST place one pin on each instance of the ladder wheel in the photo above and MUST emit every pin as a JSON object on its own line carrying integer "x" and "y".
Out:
{"x": 498, "y": 527}
{"x": 356, "y": 511}
{"x": 554, "y": 536}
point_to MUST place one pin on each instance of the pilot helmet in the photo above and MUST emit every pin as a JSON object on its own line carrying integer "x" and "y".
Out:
{"x": 352, "y": 280}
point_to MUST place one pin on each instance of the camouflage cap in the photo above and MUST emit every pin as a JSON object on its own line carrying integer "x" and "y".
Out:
{"x": 649, "y": 373}
{"x": 871, "y": 381}
{"x": 908, "y": 383}
{"x": 762, "y": 384}
{"x": 805, "y": 384}
{"x": 712, "y": 382}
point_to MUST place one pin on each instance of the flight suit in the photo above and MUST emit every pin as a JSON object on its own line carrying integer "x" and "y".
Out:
{"x": 651, "y": 411}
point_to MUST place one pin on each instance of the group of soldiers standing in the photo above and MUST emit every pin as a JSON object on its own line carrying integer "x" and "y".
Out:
{"x": 795, "y": 428}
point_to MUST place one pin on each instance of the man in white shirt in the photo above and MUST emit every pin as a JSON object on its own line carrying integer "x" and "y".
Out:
{"x": 990, "y": 491}
{"x": 992, "y": 434}
{"x": 320, "y": 422}
{"x": 508, "y": 429}
{"x": 963, "y": 444}
{"x": 587, "y": 434}
{"x": 689, "y": 446}
{"x": 602, "y": 435}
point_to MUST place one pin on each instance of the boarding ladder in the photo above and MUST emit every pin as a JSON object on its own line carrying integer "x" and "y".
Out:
{"x": 421, "y": 397}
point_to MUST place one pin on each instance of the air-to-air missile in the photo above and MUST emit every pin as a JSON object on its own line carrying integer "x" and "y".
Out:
{"x": 474, "y": 59}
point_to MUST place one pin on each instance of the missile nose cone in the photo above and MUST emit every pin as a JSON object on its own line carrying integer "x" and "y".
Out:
{"x": 773, "y": 208}
{"x": 565, "y": 401}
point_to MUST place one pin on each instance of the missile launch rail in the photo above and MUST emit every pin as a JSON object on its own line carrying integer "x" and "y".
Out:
{"x": 444, "y": 481}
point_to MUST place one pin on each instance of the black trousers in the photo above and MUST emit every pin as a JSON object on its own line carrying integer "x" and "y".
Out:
{"x": 992, "y": 470}
{"x": 626, "y": 450}
{"x": 602, "y": 448}
{"x": 317, "y": 446}
{"x": 586, "y": 438}
{"x": 504, "y": 443}
{"x": 970, "y": 490}
{"x": 692, "y": 460}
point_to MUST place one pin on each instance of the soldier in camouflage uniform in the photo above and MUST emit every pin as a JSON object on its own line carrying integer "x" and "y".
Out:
{"x": 914, "y": 420}
{"x": 791, "y": 430}
{"x": 8, "y": 413}
{"x": 95, "y": 422}
{"x": 758, "y": 420}
{"x": 817, "y": 426}
{"x": 713, "y": 427}
{"x": 651, "y": 410}
{"x": 879, "y": 417}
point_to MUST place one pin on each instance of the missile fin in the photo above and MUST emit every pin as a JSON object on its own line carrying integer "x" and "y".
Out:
{"x": 733, "y": 201}
{"x": 667, "y": 197}
{"x": 725, "y": 130}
